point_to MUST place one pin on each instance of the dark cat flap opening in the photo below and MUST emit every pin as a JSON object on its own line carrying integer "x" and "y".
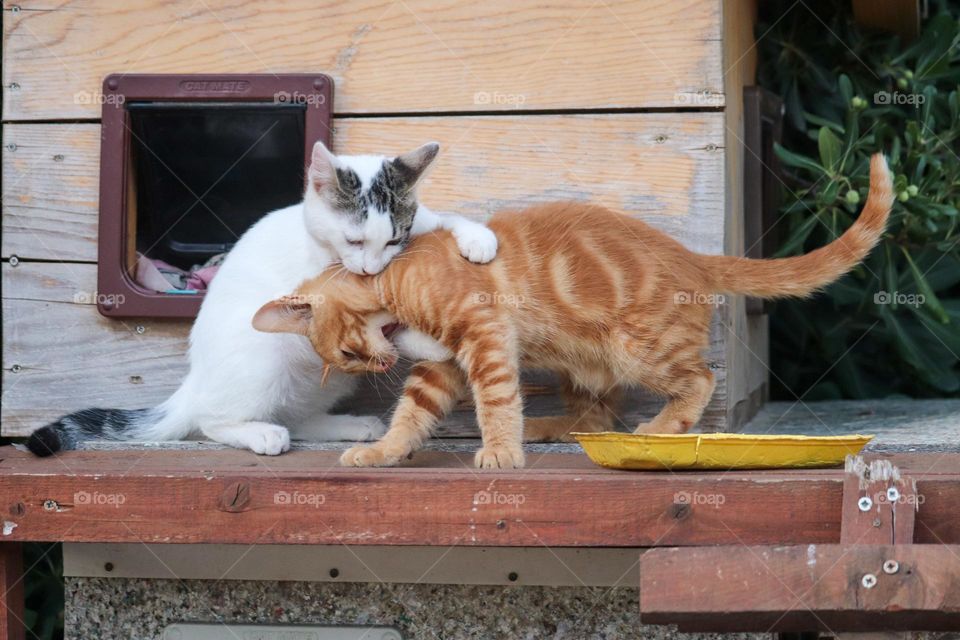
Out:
{"x": 188, "y": 164}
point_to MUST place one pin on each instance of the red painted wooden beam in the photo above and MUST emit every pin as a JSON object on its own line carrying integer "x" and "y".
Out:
{"x": 230, "y": 496}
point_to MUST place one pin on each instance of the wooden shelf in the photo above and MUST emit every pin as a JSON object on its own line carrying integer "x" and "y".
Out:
{"x": 437, "y": 498}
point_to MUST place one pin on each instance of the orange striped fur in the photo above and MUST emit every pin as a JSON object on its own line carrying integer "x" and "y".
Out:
{"x": 601, "y": 298}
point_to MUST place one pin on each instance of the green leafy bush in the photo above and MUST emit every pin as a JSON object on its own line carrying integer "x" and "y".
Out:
{"x": 893, "y": 325}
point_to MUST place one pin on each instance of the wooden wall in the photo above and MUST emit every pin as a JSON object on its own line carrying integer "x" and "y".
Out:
{"x": 617, "y": 102}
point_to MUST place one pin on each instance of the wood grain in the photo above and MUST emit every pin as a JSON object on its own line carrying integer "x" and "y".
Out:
{"x": 60, "y": 355}
{"x": 801, "y": 588}
{"x": 182, "y": 497}
{"x": 660, "y": 166}
{"x": 386, "y": 57}
{"x": 11, "y": 591}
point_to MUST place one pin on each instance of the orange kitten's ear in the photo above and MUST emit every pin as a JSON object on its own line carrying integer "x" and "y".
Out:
{"x": 288, "y": 314}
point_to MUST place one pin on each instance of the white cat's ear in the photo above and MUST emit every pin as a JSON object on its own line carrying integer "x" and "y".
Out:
{"x": 413, "y": 166}
{"x": 288, "y": 314}
{"x": 323, "y": 168}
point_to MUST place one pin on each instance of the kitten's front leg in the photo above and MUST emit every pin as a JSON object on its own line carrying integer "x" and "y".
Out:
{"x": 490, "y": 356}
{"x": 475, "y": 241}
{"x": 431, "y": 391}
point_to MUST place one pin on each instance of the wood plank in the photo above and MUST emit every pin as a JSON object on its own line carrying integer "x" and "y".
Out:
{"x": 660, "y": 166}
{"x": 49, "y": 367}
{"x": 879, "y": 504}
{"x": 386, "y": 57}
{"x": 136, "y": 496}
{"x": 181, "y": 497}
{"x": 802, "y": 588}
{"x": 899, "y": 16}
{"x": 11, "y": 590}
{"x": 747, "y": 346}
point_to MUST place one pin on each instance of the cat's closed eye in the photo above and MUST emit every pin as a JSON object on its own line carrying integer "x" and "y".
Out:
{"x": 355, "y": 243}
{"x": 348, "y": 354}
{"x": 394, "y": 242}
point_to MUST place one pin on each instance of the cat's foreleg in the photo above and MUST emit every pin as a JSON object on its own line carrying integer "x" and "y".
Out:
{"x": 260, "y": 437}
{"x": 587, "y": 411}
{"x": 490, "y": 357}
{"x": 475, "y": 241}
{"x": 684, "y": 406}
{"x": 431, "y": 391}
{"x": 325, "y": 428}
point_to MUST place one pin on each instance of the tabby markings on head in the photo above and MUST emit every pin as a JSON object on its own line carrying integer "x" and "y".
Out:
{"x": 389, "y": 193}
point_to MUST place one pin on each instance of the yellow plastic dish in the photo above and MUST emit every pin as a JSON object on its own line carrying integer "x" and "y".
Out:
{"x": 718, "y": 450}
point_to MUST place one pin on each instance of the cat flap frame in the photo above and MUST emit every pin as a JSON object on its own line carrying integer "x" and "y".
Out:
{"x": 118, "y": 295}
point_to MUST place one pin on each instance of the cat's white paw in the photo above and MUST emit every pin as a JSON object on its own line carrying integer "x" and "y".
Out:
{"x": 476, "y": 243}
{"x": 265, "y": 439}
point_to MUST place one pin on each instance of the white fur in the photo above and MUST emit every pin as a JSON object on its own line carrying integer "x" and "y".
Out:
{"x": 418, "y": 346}
{"x": 252, "y": 390}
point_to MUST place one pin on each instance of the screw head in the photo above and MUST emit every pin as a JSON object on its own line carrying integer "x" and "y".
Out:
{"x": 140, "y": 329}
{"x": 512, "y": 576}
{"x": 11, "y": 147}
{"x": 14, "y": 261}
{"x": 15, "y": 9}
{"x": 16, "y": 368}
{"x": 13, "y": 86}
{"x": 890, "y": 567}
{"x": 58, "y": 157}
{"x": 50, "y": 505}
{"x": 864, "y": 504}
{"x": 660, "y": 139}
{"x": 893, "y": 494}
{"x": 869, "y": 581}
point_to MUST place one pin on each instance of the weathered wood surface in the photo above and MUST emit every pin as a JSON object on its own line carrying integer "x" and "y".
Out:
{"x": 11, "y": 590}
{"x": 60, "y": 355}
{"x": 879, "y": 503}
{"x": 233, "y": 496}
{"x": 386, "y": 57}
{"x": 802, "y": 588}
{"x": 659, "y": 166}
{"x": 897, "y": 424}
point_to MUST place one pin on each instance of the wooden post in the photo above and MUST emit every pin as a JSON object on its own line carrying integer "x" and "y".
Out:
{"x": 11, "y": 591}
{"x": 879, "y": 504}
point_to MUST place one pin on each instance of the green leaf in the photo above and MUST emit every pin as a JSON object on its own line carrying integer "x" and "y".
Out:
{"x": 846, "y": 89}
{"x": 798, "y": 237}
{"x": 829, "y": 146}
{"x": 930, "y": 300}
{"x": 792, "y": 159}
{"x": 930, "y": 369}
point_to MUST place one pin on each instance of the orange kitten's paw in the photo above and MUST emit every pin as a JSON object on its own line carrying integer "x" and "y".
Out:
{"x": 499, "y": 457}
{"x": 674, "y": 426}
{"x": 367, "y": 456}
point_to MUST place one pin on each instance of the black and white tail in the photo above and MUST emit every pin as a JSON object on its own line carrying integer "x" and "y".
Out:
{"x": 93, "y": 424}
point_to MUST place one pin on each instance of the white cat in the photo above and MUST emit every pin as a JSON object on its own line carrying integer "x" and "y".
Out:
{"x": 254, "y": 390}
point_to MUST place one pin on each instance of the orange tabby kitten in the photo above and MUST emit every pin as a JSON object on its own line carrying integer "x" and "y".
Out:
{"x": 601, "y": 298}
